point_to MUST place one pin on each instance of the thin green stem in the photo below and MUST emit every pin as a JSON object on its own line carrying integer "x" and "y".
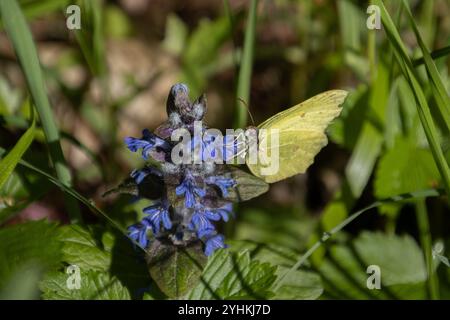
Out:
{"x": 245, "y": 72}
{"x": 371, "y": 51}
{"x": 436, "y": 54}
{"x": 425, "y": 241}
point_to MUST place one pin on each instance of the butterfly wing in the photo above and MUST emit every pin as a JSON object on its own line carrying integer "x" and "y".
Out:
{"x": 301, "y": 135}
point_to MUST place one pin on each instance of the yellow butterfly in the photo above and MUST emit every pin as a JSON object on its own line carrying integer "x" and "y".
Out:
{"x": 301, "y": 135}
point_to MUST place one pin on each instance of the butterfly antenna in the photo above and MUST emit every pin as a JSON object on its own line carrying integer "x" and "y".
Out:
{"x": 248, "y": 110}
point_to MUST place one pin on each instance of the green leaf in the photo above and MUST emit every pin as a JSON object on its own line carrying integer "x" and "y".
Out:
{"x": 363, "y": 159}
{"x": 202, "y": 50}
{"x": 91, "y": 36}
{"x": 112, "y": 253}
{"x": 175, "y": 269}
{"x": 286, "y": 226}
{"x": 402, "y": 268}
{"x": 117, "y": 23}
{"x": 35, "y": 9}
{"x": 352, "y": 29}
{"x": 234, "y": 276}
{"x": 82, "y": 249}
{"x": 264, "y": 252}
{"x": 31, "y": 244}
{"x": 399, "y": 258}
{"x": 176, "y": 34}
{"x": 9, "y": 162}
{"x": 299, "y": 285}
{"x": 343, "y": 276}
{"x": 23, "y": 284}
{"x": 405, "y": 168}
{"x": 94, "y": 285}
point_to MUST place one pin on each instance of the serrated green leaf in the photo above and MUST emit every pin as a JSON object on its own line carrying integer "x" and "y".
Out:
{"x": 81, "y": 249}
{"x": 405, "y": 168}
{"x": 234, "y": 276}
{"x": 402, "y": 268}
{"x": 94, "y": 285}
{"x": 399, "y": 258}
{"x": 264, "y": 252}
{"x": 106, "y": 252}
{"x": 300, "y": 285}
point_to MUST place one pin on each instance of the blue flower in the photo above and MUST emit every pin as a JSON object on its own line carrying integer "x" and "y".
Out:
{"x": 213, "y": 243}
{"x": 148, "y": 142}
{"x": 209, "y": 147}
{"x": 201, "y": 220}
{"x": 206, "y": 233}
{"x": 139, "y": 174}
{"x": 235, "y": 146}
{"x": 138, "y": 232}
{"x": 189, "y": 189}
{"x": 221, "y": 182}
{"x": 225, "y": 211}
{"x": 157, "y": 214}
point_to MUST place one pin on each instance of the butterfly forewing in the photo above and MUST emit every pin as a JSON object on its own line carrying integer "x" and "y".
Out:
{"x": 301, "y": 135}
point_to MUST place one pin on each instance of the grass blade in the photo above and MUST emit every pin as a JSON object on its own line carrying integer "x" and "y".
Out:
{"x": 9, "y": 162}
{"x": 245, "y": 72}
{"x": 441, "y": 96}
{"x": 436, "y": 54}
{"x": 422, "y": 106}
{"x": 425, "y": 241}
{"x": 20, "y": 36}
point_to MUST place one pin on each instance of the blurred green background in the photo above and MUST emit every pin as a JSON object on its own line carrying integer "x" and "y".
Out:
{"x": 110, "y": 80}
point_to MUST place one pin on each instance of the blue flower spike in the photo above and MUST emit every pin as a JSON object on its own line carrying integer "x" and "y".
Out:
{"x": 202, "y": 188}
